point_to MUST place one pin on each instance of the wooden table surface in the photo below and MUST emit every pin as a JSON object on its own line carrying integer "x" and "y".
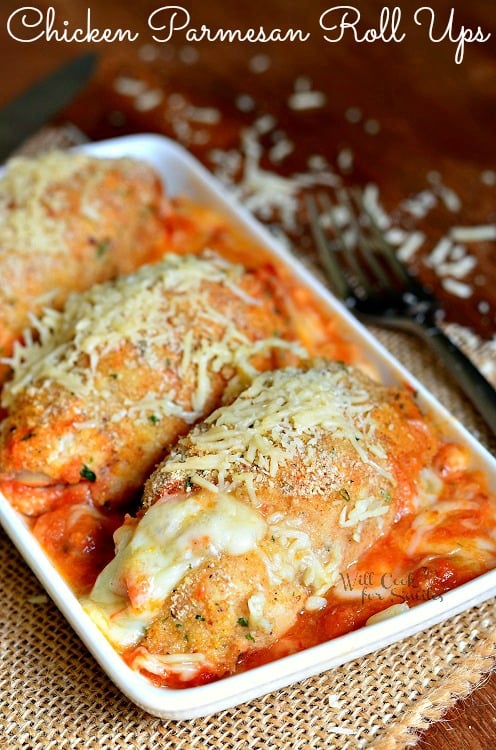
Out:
{"x": 403, "y": 112}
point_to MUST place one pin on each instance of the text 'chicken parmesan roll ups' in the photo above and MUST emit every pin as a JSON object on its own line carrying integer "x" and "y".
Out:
{"x": 254, "y": 514}
{"x": 123, "y": 370}
{"x": 67, "y": 221}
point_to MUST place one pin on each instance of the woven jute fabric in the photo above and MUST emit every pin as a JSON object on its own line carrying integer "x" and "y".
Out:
{"x": 53, "y": 694}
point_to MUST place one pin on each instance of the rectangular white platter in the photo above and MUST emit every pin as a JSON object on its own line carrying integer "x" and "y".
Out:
{"x": 182, "y": 174}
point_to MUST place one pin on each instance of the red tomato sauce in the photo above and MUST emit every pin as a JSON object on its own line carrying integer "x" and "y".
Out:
{"x": 78, "y": 538}
{"x": 452, "y": 553}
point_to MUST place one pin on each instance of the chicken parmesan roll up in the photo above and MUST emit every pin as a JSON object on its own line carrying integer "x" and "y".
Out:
{"x": 67, "y": 221}
{"x": 253, "y": 515}
{"x": 123, "y": 370}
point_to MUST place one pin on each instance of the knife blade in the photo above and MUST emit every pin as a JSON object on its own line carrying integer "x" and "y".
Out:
{"x": 36, "y": 106}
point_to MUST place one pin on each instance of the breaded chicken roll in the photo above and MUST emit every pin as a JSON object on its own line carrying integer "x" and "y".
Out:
{"x": 254, "y": 514}
{"x": 123, "y": 370}
{"x": 67, "y": 221}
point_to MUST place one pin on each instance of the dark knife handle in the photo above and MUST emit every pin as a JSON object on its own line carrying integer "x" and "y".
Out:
{"x": 37, "y": 105}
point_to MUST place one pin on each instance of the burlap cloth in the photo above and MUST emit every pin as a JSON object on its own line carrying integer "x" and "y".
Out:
{"x": 53, "y": 694}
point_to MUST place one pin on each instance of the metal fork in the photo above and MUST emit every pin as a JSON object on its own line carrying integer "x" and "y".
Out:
{"x": 366, "y": 274}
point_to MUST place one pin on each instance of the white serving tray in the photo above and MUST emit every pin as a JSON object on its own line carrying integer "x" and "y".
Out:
{"x": 183, "y": 174}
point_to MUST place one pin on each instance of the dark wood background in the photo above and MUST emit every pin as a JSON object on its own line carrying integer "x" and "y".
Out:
{"x": 434, "y": 115}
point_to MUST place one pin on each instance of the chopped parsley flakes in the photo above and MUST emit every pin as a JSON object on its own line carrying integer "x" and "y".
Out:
{"x": 86, "y": 473}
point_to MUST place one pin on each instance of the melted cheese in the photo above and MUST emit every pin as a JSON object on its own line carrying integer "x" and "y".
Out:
{"x": 293, "y": 558}
{"x": 185, "y": 665}
{"x": 354, "y": 514}
{"x": 281, "y": 416}
{"x": 171, "y": 539}
{"x": 178, "y": 535}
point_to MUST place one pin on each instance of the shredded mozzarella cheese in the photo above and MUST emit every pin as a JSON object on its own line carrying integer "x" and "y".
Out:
{"x": 146, "y": 310}
{"x": 281, "y": 416}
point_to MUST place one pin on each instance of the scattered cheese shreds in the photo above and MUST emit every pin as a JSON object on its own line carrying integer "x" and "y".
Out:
{"x": 38, "y": 599}
{"x": 481, "y": 233}
{"x": 280, "y": 150}
{"x": 301, "y": 100}
{"x": 372, "y": 127}
{"x": 333, "y": 701}
{"x": 342, "y": 730}
{"x": 148, "y": 52}
{"x": 344, "y": 160}
{"x": 457, "y": 288}
{"x": 373, "y": 207}
{"x": 127, "y": 86}
{"x": 148, "y": 100}
{"x": 245, "y": 103}
{"x": 420, "y": 205}
{"x": 440, "y": 253}
{"x": 205, "y": 115}
{"x": 410, "y": 246}
{"x": 386, "y": 614}
{"x": 268, "y": 195}
{"x": 488, "y": 177}
{"x": 189, "y": 54}
{"x": 458, "y": 269}
{"x": 353, "y": 115}
{"x": 450, "y": 199}
{"x": 259, "y": 63}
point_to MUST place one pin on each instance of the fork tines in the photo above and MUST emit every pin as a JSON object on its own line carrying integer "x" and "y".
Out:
{"x": 351, "y": 245}
{"x": 364, "y": 271}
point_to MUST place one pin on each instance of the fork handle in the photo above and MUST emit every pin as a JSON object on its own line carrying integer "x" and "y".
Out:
{"x": 475, "y": 386}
